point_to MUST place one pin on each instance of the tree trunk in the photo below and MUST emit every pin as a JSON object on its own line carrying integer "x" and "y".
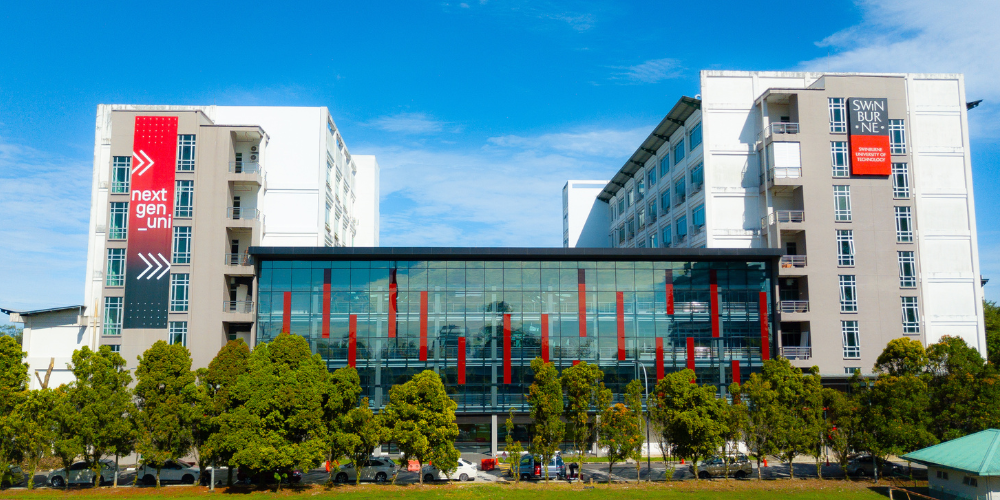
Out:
{"x": 116, "y": 470}
{"x": 760, "y": 474}
{"x": 694, "y": 468}
{"x": 229, "y": 475}
{"x": 211, "y": 480}
{"x": 638, "y": 470}
{"x": 66, "y": 472}
{"x": 157, "y": 476}
{"x": 610, "y": 466}
{"x": 819, "y": 468}
{"x": 791, "y": 467}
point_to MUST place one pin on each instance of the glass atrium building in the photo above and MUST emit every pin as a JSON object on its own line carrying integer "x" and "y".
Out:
{"x": 479, "y": 316}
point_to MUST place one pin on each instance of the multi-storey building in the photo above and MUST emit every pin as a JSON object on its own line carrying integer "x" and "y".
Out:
{"x": 864, "y": 180}
{"x": 582, "y": 225}
{"x": 180, "y": 193}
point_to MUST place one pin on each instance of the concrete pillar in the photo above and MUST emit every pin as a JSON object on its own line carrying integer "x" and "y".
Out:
{"x": 493, "y": 435}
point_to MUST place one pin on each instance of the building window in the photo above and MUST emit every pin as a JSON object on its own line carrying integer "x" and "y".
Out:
{"x": 641, "y": 217}
{"x": 665, "y": 201}
{"x": 680, "y": 192}
{"x": 179, "y": 292}
{"x": 621, "y": 206}
{"x": 904, "y": 225}
{"x": 664, "y": 165}
{"x": 852, "y": 342}
{"x": 845, "y": 247}
{"x": 120, "y": 173}
{"x": 640, "y": 188}
{"x": 838, "y": 114}
{"x": 185, "y": 152}
{"x": 118, "y": 223}
{"x": 113, "y": 315}
{"x": 848, "y": 293}
{"x": 942, "y": 475}
{"x": 697, "y": 178}
{"x": 630, "y": 227}
{"x": 849, "y": 370}
{"x": 667, "y": 237}
{"x": 621, "y": 234}
{"x": 630, "y": 198}
{"x": 115, "y": 275}
{"x": 184, "y": 199}
{"x": 911, "y": 318}
{"x": 970, "y": 481}
{"x": 182, "y": 245}
{"x": 652, "y": 240}
{"x": 114, "y": 347}
{"x": 679, "y": 152}
{"x": 682, "y": 227}
{"x": 897, "y": 137}
{"x": 651, "y": 176}
{"x": 907, "y": 270}
{"x": 698, "y": 216}
{"x": 694, "y": 137}
{"x": 838, "y": 154}
{"x": 652, "y": 211}
{"x": 179, "y": 333}
{"x": 900, "y": 181}
{"x": 842, "y": 203}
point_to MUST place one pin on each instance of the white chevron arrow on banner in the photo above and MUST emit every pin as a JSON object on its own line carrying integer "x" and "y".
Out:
{"x": 167, "y": 269}
{"x": 148, "y": 266}
{"x": 148, "y": 159}
{"x": 158, "y": 265}
{"x": 138, "y": 165}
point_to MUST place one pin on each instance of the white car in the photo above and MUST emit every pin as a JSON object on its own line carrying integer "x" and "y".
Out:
{"x": 378, "y": 469}
{"x": 466, "y": 471}
{"x": 173, "y": 471}
{"x": 79, "y": 473}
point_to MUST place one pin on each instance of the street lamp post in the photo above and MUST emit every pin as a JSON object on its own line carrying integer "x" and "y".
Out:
{"x": 645, "y": 383}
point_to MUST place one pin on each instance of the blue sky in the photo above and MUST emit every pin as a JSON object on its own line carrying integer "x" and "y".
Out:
{"x": 478, "y": 111}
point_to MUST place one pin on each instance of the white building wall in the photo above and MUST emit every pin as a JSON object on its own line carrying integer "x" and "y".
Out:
{"x": 51, "y": 338}
{"x": 585, "y": 218}
{"x": 367, "y": 205}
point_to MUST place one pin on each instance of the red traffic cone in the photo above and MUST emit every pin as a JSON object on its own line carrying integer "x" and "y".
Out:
{"x": 765, "y": 462}
{"x": 682, "y": 461}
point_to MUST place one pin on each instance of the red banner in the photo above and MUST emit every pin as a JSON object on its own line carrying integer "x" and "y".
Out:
{"x": 869, "y": 136}
{"x": 150, "y": 222}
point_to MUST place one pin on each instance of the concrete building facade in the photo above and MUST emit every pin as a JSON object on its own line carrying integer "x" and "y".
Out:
{"x": 764, "y": 159}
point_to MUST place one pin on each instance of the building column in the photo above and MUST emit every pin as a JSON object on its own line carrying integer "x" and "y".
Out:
{"x": 493, "y": 435}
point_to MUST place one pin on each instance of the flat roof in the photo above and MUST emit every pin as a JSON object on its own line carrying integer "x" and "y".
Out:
{"x": 685, "y": 107}
{"x": 38, "y": 311}
{"x": 514, "y": 253}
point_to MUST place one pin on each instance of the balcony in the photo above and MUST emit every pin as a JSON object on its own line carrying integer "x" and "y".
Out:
{"x": 696, "y": 187}
{"x": 781, "y": 128}
{"x": 246, "y": 171}
{"x": 785, "y": 173}
{"x": 796, "y": 352}
{"x": 679, "y": 199}
{"x": 793, "y": 261}
{"x": 793, "y": 306}
{"x": 241, "y": 213}
{"x": 238, "y": 306}
{"x": 238, "y": 259}
{"x": 782, "y": 217}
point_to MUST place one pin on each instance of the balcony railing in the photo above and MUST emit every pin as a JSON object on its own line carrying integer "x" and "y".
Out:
{"x": 237, "y": 306}
{"x": 794, "y": 306}
{"x": 679, "y": 199}
{"x": 790, "y": 216}
{"x": 786, "y": 172}
{"x": 784, "y": 128}
{"x": 796, "y": 352}
{"x": 788, "y": 261}
{"x": 696, "y": 187}
{"x": 244, "y": 167}
{"x": 238, "y": 259}
{"x": 237, "y": 213}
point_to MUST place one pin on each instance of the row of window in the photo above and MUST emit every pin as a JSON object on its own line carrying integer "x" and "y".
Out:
{"x": 180, "y": 285}
{"x": 838, "y": 125}
{"x": 849, "y": 302}
{"x": 900, "y": 171}
{"x": 627, "y": 230}
{"x": 183, "y": 209}
{"x": 842, "y": 213}
{"x": 680, "y": 192}
{"x": 121, "y": 166}
{"x": 115, "y": 275}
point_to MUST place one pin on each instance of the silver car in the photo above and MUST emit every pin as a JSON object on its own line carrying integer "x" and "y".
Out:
{"x": 79, "y": 473}
{"x": 173, "y": 471}
{"x": 377, "y": 469}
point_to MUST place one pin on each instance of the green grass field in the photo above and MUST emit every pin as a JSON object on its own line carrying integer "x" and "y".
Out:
{"x": 692, "y": 490}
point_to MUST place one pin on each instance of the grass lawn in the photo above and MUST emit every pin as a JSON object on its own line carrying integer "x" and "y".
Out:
{"x": 692, "y": 490}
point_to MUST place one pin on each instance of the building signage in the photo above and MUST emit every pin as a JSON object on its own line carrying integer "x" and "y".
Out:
{"x": 150, "y": 222}
{"x": 869, "y": 136}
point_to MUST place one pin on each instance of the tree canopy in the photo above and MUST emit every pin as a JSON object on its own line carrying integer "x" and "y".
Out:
{"x": 545, "y": 402}
{"x": 421, "y": 420}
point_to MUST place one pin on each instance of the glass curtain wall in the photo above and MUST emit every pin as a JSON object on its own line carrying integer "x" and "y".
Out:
{"x": 493, "y": 317}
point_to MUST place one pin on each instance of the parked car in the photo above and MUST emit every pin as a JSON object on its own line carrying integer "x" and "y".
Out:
{"x": 247, "y": 476}
{"x": 531, "y": 467}
{"x": 173, "y": 471}
{"x": 864, "y": 466}
{"x": 79, "y": 473}
{"x": 377, "y": 469}
{"x": 466, "y": 471}
{"x": 739, "y": 467}
{"x": 14, "y": 477}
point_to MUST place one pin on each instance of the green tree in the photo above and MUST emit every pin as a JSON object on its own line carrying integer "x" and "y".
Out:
{"x": 217, "y": 383}
{"x": 762, "y": 416}
{"x": 842, "y": 411}
{"x": 633, "y": 402}
{"x": 584, "y": 387}
{"x": 342, "y": 397}
{"x": 991, "y": 312}
{"x": 795, "y": 433}
{"x": 13, "y": 331}
{"x": 545, "y": 402}
{"x": 13, "y": 391}
{"x": 812, "y": 412}
{"x": 421, "y": 419}
{"x": 165, "y": 397}
{"x": 513, "y": 448}
{"x": 277, "y": 419}
{"x": 692, "y": 416}
{"x": 103, "y": 402}
{"x": 964, "y": 390}
{"x": 35, "y": 428}
{"x": 735, "y": 418}
{"x": 67, "y": 444}
{"x": 902, "y": 356}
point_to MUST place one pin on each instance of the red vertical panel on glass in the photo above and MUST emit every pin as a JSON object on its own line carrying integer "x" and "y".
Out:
{"x": 423, "y": 326}
{"x": 713, "y": 284}
{"x": 576, "y": 362}
{"x": 461, "y": 361}
{"x": 765, "y": 340}
{"x": 581, "y": 285}
{"x": 352, "y": 341}
{"x": 670, "y": 292}
{"x": 393, "y": 290}
{"x": 286, "y": 314}
{"x": 621, "y": 326}
{"x": 690, "y": 353}
{"x": 659, "y": 358}
{"x": 736, "y": 371}
{"x": 326, "y": 303}
{"x": 506, "y": 349}
{"x": 545, "y": 338}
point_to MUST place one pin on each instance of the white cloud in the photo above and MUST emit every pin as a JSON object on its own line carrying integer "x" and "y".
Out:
{"x": 926, "y": 36}
{"x": 652, "y": 71}
{"x": 45, "y": 210}
{"x": 493, "y": 196}
{"x": 408, "y": 123}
